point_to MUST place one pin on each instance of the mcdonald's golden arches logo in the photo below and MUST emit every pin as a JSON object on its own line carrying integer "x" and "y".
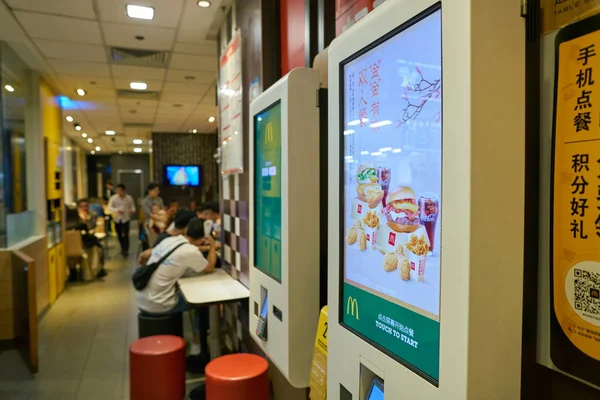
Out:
{"x": 352, "y": 306}
{"x": 269, "y": 133}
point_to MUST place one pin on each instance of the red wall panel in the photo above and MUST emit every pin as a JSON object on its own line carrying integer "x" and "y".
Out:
{"x": 292, "y": 35}
{"x": 349, "y": 12}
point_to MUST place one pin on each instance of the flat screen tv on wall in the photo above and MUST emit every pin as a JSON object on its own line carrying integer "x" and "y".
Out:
{"x": 182, "y": 175}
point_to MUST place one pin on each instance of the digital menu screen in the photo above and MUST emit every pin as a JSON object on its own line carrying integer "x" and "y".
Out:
{"x": 391, "y": 185}
{"x": 267, "y": 191}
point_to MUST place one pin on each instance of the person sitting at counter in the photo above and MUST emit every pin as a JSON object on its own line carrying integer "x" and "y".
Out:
{"x": 182, "y": 218}
{"x": 211, "y": 212}
{"x": 162, "y": 296}
{"x": 86, "y": 223}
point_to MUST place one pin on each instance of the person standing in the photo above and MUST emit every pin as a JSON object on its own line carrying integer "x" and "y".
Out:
{"x": 122, "y": 207}
{"x": 109, "y": 191}
{"x": 152, "y": 198}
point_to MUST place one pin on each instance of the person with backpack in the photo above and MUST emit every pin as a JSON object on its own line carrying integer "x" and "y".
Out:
{"x": 177, "y": 256}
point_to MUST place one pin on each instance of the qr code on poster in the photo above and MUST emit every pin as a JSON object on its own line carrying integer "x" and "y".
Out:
{"x": 587, "y": 292}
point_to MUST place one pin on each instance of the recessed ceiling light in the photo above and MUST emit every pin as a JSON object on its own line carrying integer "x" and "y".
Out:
{"x": 110, "y": 132}
{"x": 138, "y": 141}
{"x": 120, "y": 152}
{"x": 81, "y": 92}
{"x": 77, "y": 127}
{"x": 92, "y": 152}
{"x": 69, "y": 118}
{"x": 90, "y": 140}
{"x": 9, "y": 88}
{"x": 138, "y": 85}
{"x": 194, "y": 130}
{"x": 204, "y": 4}
{"x": 140, "y": 12}
{"x": 98, "y": 148}
{"x": 211, "y": 119}
{"x": 84, "y": 135}
{"x": 137, "y": 150}
{"x": 68, "y": 148}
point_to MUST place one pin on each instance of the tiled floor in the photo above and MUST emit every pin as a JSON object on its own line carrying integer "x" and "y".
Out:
{"x": 84, "y": 341}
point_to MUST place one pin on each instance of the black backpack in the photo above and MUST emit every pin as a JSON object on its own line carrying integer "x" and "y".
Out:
{"x": 142, "y": 274}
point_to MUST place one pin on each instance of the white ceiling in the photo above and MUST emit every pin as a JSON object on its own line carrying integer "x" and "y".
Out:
{"x": 68, "y": 42}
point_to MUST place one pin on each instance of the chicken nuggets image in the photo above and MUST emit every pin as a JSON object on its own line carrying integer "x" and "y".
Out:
{"x": 358, "y": 226}
{"x": 362, "y": 240}
{"x": 405, "y": 269}
{"x": 399, "y": 251}
{"x": 352, "y": 236}
{"x": 390, "y": 262}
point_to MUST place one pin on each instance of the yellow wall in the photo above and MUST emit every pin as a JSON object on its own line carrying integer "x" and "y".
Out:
{"x": 52, "y": 126}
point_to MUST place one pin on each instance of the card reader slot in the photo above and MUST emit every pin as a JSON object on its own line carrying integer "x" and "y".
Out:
{"x": 278, "y": 313}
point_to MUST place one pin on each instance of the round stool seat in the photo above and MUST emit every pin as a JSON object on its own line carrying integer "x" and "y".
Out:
{"x": 157, "y": 368}
{"x": 237, "y": 376}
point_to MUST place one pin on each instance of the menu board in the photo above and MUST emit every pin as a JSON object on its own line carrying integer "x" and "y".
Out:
{"x": 575, "y": 223}
{"x": 392, "y": 182}
{"x": 230, "y": 108}
{"x": 267, "y": 191}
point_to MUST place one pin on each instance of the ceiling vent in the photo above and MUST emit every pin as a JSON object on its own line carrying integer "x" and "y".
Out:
{"x": 144, "y": 58}
{"x": 137, "y": 94}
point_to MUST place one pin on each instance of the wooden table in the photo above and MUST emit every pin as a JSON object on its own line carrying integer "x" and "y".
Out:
{"x": 213, "y": 290}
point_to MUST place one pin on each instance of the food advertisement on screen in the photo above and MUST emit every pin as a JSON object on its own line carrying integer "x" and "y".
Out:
{"x": 392, "y": 184}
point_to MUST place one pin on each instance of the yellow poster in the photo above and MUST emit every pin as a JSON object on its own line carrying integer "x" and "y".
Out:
{"x": 558, "y": 13}
{"x": 318, "y": 373}
{"x": 576, "y": 193}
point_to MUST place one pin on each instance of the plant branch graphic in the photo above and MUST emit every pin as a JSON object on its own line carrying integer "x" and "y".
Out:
{"x": 424, "y": 90}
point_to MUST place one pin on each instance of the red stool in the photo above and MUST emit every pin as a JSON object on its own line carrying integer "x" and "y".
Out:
{"x": 237, "y": 376}
{"x": 157, "y": 368}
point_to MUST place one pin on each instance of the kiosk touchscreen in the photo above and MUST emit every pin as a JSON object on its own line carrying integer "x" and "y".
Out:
{"x": 284, "y": 223}
{"x": 400, "y": 213}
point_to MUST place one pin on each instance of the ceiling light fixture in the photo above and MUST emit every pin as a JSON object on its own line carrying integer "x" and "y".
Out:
{"x": 140, "y": 12}
{"x": 138, "y": 85}
{"x": 110, "y": 132}
{"x": 204, "y": 4}
{"x": 194, "y": 130}
{"x": 9, "y": 88}
{"x": 138, "y": 141}
{"x": 84, "y": 135}
{"x": 137, "y": 150}
{"x": 77, "y": 127}
{"x": 69, "y": 118}
{"x": 81, "y": 92}
{"x": 90, "y": 140}
{"x": 98, "y": 148}
{"x": 92, "y": 152}
{"x": 211, "y": 119}
{"x": 120, "y": 152}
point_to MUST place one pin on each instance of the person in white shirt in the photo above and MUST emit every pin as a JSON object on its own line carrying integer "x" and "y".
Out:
{"x": 162, "y": 297}
{"x": 122, "y": 207}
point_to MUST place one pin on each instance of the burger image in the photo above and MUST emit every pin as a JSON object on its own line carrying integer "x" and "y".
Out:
{"x": 368, "y": 189}
{"x": 402, "y": 211}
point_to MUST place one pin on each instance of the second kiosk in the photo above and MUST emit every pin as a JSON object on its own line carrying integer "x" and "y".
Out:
{"x": 285, "y": 250}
